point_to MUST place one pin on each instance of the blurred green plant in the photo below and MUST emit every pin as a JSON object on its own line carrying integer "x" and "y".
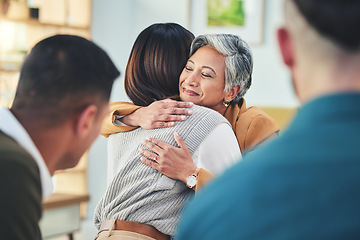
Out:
{"x": 226, "y": 13}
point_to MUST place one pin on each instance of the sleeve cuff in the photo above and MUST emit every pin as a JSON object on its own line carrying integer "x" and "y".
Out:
{"x": 203, "y": 178}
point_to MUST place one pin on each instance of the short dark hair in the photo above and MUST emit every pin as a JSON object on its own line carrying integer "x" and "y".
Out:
{"x": 338, "y": 20}
{"x": 63, "y": 74}
{"x": 156, "y": 61}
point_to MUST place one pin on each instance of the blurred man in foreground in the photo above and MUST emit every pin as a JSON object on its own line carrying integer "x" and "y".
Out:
{"x": 304, "y": 184}
{"x": 61, "y": 99}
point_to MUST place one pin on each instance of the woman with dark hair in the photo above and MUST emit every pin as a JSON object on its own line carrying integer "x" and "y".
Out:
{"x": 155, "y": 61}
{"x": 140, "y": 201}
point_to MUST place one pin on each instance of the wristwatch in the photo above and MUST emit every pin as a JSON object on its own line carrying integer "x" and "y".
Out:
{"x": 192, "y": 179}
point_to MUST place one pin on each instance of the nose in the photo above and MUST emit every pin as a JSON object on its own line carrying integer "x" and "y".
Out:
{"x": 192, "y": 80}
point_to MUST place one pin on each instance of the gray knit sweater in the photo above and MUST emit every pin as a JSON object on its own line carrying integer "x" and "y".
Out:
{"x": 140, "y": 193}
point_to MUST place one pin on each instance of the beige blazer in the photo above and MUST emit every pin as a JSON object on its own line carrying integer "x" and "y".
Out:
{"x": 251, "y": 125}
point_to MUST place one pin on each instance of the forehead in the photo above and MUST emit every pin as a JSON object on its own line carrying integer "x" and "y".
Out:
{"x": 208, "y": 56}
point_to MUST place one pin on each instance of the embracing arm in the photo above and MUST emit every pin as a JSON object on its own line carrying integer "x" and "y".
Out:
{"x": 218, "y": 151}
{"x": 174, "y": 162}
{"x": 121, "y": 109}
{"x": 159, "y": 114}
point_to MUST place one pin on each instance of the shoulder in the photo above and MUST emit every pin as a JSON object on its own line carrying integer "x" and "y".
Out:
{"x": 20, "y": 182}
{"x": 255, "y": 113}
{"x": 242, "y": 117}
{"x": 205, "y": 119}
{"x": 207, "y": 114}
{"x": 253, "y": 126}
{"x": 204, "y": 110}
{"x": 199, "y": 125}
{"x": 17, "y": 167}
{"x": 16, "y": 163}
{"x": 12, "y": 154}
{"x": 259, "y": 117}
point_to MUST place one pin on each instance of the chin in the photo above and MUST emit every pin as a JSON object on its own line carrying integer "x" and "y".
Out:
{"x": 187, "y": 98}
{"x": 69, "y": 161}
{"x": 184, "y": 98}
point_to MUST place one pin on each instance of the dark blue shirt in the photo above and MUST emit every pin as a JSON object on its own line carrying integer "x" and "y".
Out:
{"x": 305, "y": 184}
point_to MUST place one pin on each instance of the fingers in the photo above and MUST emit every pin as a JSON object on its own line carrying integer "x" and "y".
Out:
{"x": 179, "y": 111}
{"x": 163, "y": 124}
{"x": 180, "y": 141}
{"x": 151, "y": 144}
{"x": 177, "y": 104}
{"x": 149, "y": 163}
{"x": 149, "y": 155}
{"x": 165, "y": 113}
{"x": 169, "y": 116}
{"x": 168, "y": 100}
{"x": 163, "y": 121}
{"x": 176, "y": 107}
{"x": 156, "y": 145}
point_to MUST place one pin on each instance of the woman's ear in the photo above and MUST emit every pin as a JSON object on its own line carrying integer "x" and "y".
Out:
{"x": 85, "y": 121}
{"x": 230, "y": 95}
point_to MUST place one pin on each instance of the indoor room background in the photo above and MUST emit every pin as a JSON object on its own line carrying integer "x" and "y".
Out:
{"x": 115, "y": 24}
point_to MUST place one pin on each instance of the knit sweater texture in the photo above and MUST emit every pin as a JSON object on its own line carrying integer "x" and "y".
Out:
{"x": 140, "y": 193}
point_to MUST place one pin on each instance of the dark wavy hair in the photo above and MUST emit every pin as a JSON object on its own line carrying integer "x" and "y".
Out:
{"x": 338, "y": 20}
{"x": 156, "y": 61}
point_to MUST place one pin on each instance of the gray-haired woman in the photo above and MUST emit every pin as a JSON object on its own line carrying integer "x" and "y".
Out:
{"x": 217, "y": 75}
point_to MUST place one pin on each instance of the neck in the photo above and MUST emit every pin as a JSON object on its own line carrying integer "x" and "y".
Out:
{"x": 49, "y": 141}
{"x": 221, "y": 109}
{"x": 338, "y": 74}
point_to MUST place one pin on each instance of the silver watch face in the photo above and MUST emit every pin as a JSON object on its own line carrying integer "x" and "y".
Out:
{"x": 191, "y": 181}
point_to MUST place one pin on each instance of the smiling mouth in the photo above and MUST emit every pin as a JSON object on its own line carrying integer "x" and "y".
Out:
{"x": 190, "y": 93}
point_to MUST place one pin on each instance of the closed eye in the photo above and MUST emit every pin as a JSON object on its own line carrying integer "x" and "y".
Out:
{"x": 206, "y": 75}
{"x": 188, "y": 68}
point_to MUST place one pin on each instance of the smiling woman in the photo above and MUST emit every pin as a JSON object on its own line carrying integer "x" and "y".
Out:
{"x": 202, "y": 80}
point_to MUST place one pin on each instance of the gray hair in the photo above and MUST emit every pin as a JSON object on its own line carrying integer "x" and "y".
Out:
{"x": 238, "y": 59}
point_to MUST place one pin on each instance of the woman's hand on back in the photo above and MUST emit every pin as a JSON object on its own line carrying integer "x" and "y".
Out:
{"x": 174, "y": 162}
{"x": 159, "y": 114}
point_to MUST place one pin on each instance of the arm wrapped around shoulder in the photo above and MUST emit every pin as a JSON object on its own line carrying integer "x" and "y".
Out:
{"x": 120, "y": 109}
